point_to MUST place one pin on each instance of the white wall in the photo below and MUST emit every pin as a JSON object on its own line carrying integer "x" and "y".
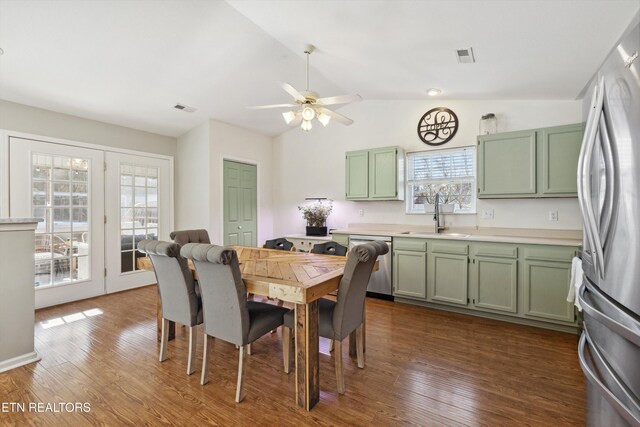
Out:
{"x": 234, "y": 143}
{"x": 312, "y": 163}
{"x": 193, "y": 179}
{"x": 201, "y": 152}
{"x": 22, "y": 118}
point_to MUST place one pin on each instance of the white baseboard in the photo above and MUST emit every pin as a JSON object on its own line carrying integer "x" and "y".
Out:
{"x": 21, "y": 360}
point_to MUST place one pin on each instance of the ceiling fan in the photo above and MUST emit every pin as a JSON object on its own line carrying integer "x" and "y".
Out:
{"x": 308, "y": 105}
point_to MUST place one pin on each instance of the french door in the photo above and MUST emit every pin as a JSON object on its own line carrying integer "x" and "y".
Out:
{"x": 65, "y": 186}
{"x": 138, "y": 206}
{"x": 97, "y": 206}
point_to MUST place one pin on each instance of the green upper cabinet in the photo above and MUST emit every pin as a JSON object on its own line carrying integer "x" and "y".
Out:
{"x": 357, "y": 163}
{"x": 375, "y": 174}
{"x": 560, "y": 150}
{"x": 532, "y": 163}
{"x": 507, "y": 164}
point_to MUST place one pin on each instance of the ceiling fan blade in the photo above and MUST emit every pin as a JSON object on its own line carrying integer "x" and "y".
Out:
{"x": 262, "y": 107}
{"x": 339, "y": 117}
{"x": 293, "y": 92}
{"x": 342, "y": 99}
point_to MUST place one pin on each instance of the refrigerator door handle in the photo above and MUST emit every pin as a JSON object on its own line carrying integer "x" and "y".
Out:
{"x": 611, "y": 174}
{"x": 623, "y": 324}
{"x": 607, "y": 394}
{"x": 584, "y": 189}
{"x": 589, "y": 135}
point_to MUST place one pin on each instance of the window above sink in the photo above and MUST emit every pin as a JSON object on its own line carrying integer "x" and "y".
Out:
{"x": 449, "y": 172}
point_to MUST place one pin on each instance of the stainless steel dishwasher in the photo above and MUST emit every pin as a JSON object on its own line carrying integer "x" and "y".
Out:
{"x": 380, "y": 282}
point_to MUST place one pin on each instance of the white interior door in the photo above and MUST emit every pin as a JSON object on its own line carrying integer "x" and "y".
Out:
{"x": 138, "y": 206}
{"x": 65, "y": 186}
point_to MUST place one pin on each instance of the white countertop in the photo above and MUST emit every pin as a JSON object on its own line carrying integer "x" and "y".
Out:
{"x": 19, "y": 220}
{"x": 304, "y": 236}
{"x": 501, "y": 235}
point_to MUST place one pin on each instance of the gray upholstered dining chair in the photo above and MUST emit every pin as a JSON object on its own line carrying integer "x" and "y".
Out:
{"x": 180, "y": 301}
{"x": 339, "y": 318}
{"x": 182, "y": 237}
{"x": 279, "y": 243}
{"x": 329, "y": 248}
{"x": 227, "y": 313}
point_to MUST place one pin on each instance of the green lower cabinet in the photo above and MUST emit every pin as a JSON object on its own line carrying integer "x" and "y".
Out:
{"x": 495, "y": 284}
{"x": 546, "y": 285}
{"x": 410, "y": 274}
{"x": 342, "y": 239}
{"x": 448, "y": 278}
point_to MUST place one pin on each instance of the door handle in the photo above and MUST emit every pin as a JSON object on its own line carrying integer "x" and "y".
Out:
{"x": 606, "y": 393}
{"x": 584, "y": 191}
{"x": 622, "y": 325}
{"x": 611, "y": 173}
{"x": 239, "y": 227}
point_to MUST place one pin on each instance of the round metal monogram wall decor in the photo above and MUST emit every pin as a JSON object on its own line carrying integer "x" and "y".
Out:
{"x": 437, "y": 126}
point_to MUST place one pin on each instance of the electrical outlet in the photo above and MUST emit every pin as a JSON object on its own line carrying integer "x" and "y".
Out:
{"x": 487, "y": 213}
{"x": 553, "y": 215}
{"x": 361, "y": 212}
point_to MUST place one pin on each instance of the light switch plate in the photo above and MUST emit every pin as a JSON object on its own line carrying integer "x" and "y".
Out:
{"x": 553, "y": 215}
{"x": 361, "y": 212}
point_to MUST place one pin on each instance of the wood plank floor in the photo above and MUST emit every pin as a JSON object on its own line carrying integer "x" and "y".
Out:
{"x": 423, "y": 367}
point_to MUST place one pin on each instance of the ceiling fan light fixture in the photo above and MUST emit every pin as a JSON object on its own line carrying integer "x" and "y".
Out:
{"x": 306, "y": 125}
{"x": 289, "y": 116}
{"x": 308, "y": 113}
{"x": 324, "y": 118}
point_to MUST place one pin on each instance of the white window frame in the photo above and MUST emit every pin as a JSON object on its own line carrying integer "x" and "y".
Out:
{"x": 429, "y": 208}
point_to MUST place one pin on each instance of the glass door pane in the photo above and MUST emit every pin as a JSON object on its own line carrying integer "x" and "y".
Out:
{"x": 138, "y": 201}
{"x": 61, "y": 197}
{"x": 138, "y": 211}
{"x": 63, "y": 185}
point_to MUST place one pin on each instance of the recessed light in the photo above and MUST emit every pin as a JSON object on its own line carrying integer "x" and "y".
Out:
{"x": 433, "y": 92}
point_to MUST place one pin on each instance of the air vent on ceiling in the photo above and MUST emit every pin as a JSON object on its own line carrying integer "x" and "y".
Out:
{"x": 465, "y": 56}
{"x": 184, "y": 108}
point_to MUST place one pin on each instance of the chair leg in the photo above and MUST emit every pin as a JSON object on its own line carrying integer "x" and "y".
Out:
{"x": 204, "y": 377}
{"x": 248, "y": 349}
{"x": 239, "y": 391}
{"x": 192, "y": 350}
{"x": 360, "y": 346}
{"x": 164, "y": 339}
{"x": 286, "y": 349}
{"x": 337, "y": 354}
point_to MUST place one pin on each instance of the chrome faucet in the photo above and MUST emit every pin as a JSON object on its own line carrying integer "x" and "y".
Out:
{"x": 436, "y": 216}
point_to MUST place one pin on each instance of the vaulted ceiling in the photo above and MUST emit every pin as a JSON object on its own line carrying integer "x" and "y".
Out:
{"x": 128, "y": 62}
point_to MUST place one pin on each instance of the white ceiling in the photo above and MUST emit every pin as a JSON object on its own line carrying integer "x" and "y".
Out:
{"x": 128, "y": 62}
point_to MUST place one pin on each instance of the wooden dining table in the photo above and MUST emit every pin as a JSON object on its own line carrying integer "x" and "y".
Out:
{"x": 302, "y": 279}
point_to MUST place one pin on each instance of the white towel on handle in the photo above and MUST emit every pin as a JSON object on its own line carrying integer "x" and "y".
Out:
{"x": 575, "y": 282}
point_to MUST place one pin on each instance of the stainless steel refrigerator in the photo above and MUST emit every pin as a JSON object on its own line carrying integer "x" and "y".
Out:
{"x": 609, "y": 195}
